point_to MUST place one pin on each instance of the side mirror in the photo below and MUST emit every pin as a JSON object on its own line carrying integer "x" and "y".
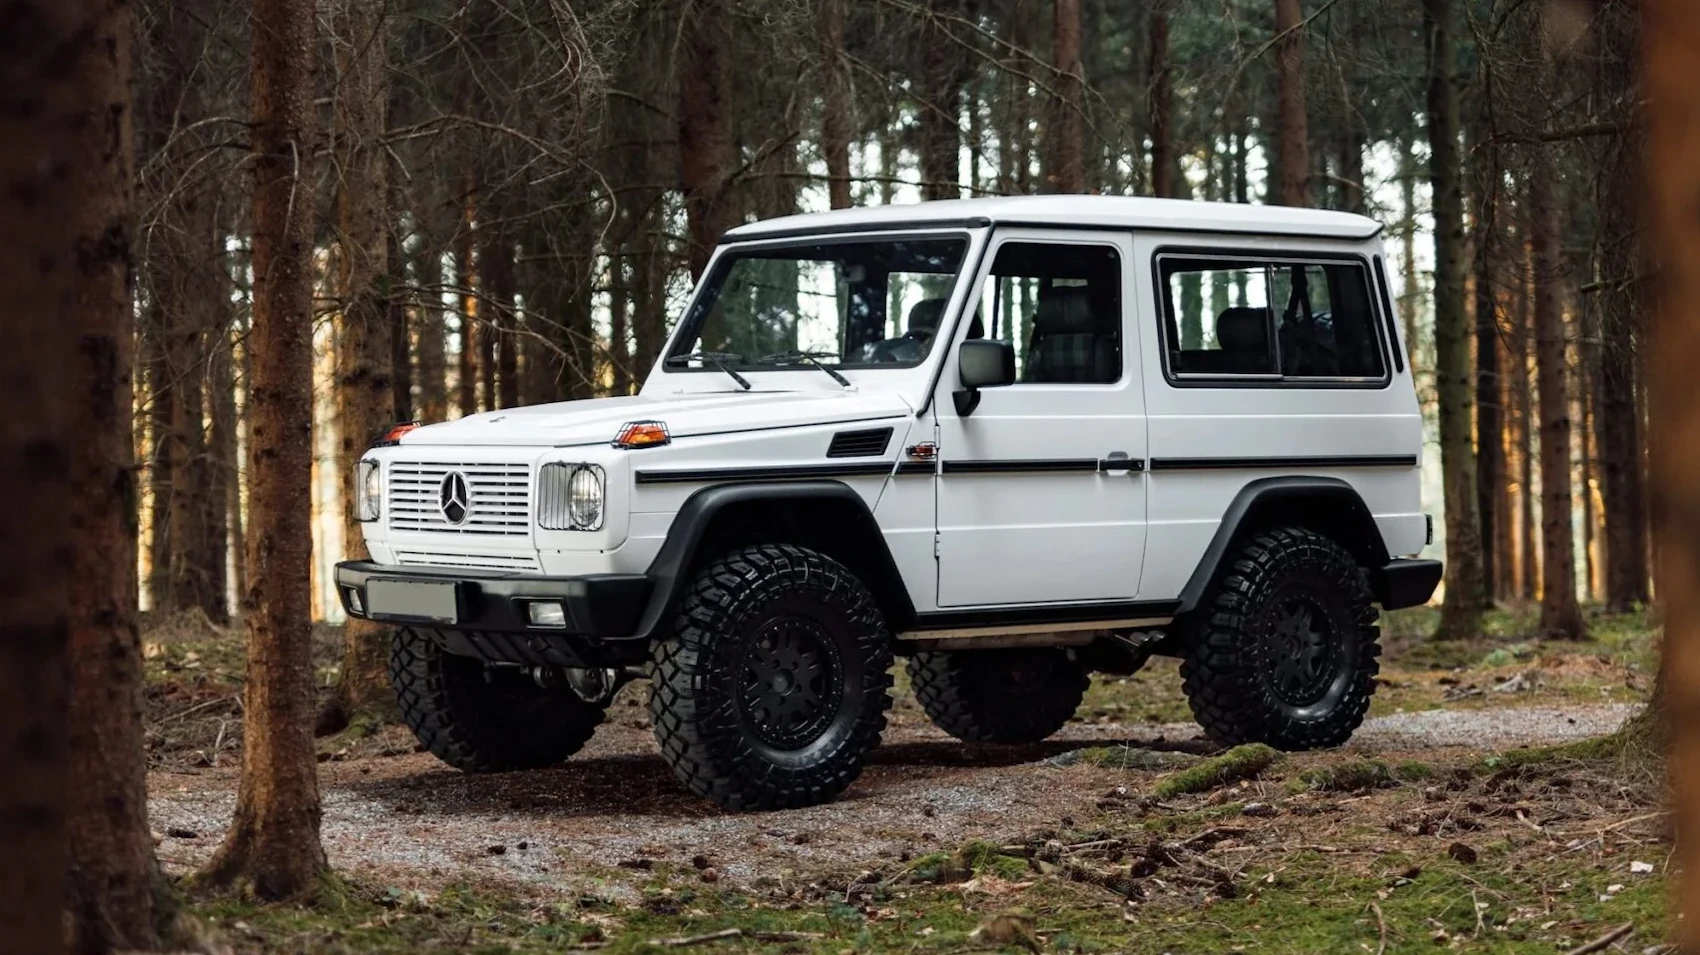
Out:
{"x": 982, "y": 363}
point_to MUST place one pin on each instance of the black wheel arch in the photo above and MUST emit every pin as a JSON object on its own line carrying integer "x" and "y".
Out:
{"x": 826, "y": 516}
{"x": 1326, "y": 505}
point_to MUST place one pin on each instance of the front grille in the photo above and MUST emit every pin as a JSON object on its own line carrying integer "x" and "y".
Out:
{"x": 476, "y": 561}
{"x": 498, "y": 499}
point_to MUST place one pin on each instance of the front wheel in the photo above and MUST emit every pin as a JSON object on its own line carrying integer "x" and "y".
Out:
{"x": 773, "y": 687}
{"x": 1286, "y": 650}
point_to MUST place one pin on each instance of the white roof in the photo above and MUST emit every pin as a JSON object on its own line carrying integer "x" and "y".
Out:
{"x": 1106, "y": 212}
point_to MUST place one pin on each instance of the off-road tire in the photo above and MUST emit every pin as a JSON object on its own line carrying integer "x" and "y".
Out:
{"x": 998, "y": 696}
{"x": 735, "y": 739}
{"x": 1233, "y": 677}
{"x": 482, "y": 719}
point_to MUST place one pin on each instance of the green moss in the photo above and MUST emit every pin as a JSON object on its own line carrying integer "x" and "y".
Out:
{"x": 1350, "y": 775}
{"x": 1134, "y": 758}
{"x": 1412, "y": 771}
{"x": 1241, "y": 762}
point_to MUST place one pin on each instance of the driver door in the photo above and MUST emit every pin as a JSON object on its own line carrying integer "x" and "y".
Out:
{"x": 1041, "y": 493}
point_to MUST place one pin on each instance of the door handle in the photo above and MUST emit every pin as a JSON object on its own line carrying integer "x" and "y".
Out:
{"x": 1119, "y": 461}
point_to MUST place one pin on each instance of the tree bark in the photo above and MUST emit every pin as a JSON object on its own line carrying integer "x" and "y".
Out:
{"x": 1461, "y": 614}
{"x": 705, "y": 126}
{"x": 1561, "y": 616}
{"x": 466, "y": 277}
{"x": 1490, "y": 410}
{"x": 433, "y": 349}
{"x": 1165, "y": 167}
{"x": 398, "y": 322}
{"x": 44, "y": 61}
{"x": 1294, "y": 138}
{"x": 1671, "y": 29}
{"x": 496, "y": 259}
{"x": 272, "y": 849}
{"x": 1523, "y": 437}
{"x": 365, "y": 399}
{"x": 941, "y": 105}
{"x": 1067, "y": 127}
{"x": 112, "y": 876}
{"x": 837, "y": 124}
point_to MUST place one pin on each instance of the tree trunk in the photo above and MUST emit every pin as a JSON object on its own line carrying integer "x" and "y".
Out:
{"x": 496, "y": 260}
{"x": 1560, "y": 614}
{"x": 110, "y": 887}
{"x": 1411, "y": 292}
{"x": 365, "y": 399}
{"x": 466, "y": 277}
{"x": 619, "y": 351}
{"x": 272, "y": 848}
{"x": 705, "y": 126}
{"x": 1672, "y": 33}
{"x": 577, "y": 287}
{"x": 433, "y": 350}
{"x": 1461, "y": 615}
{"x": 1066, "y": 130}
{"x": 396, "y": 298}
{"x": 941, "y": 105}
{"x": 1490, "y": 412}
{"x": 1165, "y": 166}
{"x": 1617, "y": 418}
{"x": 47, "y": 59}
{"x": 1529, "y": 572}
{"x": 1294, "y": 139}
{"x": 837, "y": 124}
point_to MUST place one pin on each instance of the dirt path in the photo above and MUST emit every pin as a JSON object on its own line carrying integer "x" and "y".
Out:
{"x": 408, "y": 821}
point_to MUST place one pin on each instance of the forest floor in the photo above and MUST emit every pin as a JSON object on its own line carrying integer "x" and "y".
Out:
{"x": 1437, "y": 826}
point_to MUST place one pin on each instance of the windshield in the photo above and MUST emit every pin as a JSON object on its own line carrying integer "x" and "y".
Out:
{"x": 859, "y": 303}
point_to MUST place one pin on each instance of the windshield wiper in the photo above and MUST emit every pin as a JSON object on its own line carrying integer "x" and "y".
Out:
{"x": 807, "y": 358}
{"x": 716, "y": 358}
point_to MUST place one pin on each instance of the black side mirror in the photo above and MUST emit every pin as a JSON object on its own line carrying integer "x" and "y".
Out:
{"x": 982, "y": 363}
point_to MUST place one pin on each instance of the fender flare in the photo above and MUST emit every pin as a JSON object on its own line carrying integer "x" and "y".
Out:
{"x": 669, "y": 572}
{"x": 1369, "y": 548}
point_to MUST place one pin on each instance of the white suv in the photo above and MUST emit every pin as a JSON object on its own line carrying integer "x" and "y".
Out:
{"x": 1011, "y": 440}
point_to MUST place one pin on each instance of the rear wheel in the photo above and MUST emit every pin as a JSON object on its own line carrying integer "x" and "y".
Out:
{"x": 999, "y": 696}
{"x": 1286, "y": 653}
{"x": 773, "y": 687}
{"x": 480, "y": 718}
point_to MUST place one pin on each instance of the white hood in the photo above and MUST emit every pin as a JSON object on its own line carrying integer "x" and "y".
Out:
{"x": 597, "y": 420}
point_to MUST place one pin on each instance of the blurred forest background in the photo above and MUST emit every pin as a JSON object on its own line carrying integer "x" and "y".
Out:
{"x": 513, "y": 196}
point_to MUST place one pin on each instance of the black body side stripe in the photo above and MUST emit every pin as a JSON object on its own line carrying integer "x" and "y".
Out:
{"x": 916, "y": 467}
{"x": 1248, "y": 464}
{"x": 780, "y": 473}
{"x": 1021, "y": 466}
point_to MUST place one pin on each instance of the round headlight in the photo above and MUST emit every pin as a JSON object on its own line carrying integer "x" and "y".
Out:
{"x": 584, "y": 499}
{"x": 368, "y": 490}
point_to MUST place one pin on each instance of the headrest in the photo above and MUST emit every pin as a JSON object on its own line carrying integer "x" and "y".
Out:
{"x": 924, "y": 316}
{"x": 1243, "y": 330}
{"x": 1064, "y": 310}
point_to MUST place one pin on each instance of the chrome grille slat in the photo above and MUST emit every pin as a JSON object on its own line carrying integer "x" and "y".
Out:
{"x": 498, "y": 504}
{"x": 479, "y": 561}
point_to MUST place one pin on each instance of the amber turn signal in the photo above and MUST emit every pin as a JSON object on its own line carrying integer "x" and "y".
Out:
{"x": 642, "y": 434}
{"x": 393, "y": 435}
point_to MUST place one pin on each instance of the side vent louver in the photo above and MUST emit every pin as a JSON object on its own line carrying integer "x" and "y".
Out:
{"x": 859, "y": 444}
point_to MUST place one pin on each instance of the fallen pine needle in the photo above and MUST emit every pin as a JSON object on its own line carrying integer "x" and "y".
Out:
{"x": 728, "y": 933}
{"x": 1604, "y": 941}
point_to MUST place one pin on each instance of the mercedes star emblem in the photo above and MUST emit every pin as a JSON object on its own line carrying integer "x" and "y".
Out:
{"x": 453, "y": 498}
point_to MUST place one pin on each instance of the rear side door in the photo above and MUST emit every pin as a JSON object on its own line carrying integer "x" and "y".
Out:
{"x": 1041, "y": 496}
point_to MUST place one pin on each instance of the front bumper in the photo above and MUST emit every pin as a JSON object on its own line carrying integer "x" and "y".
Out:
{"x": 490, "y": 618}
{"x": 1405, "y": 583}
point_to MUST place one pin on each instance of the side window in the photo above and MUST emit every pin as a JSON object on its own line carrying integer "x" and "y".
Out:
{"x": 1269, "y": 318}
{"x": 1060, "y": 307}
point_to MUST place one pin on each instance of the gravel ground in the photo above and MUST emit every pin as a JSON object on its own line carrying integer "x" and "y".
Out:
{"x": 407, "y": 821}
